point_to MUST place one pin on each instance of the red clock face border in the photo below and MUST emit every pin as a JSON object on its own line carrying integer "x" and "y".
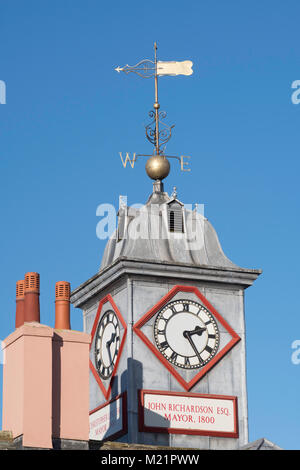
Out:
{"x": 161, "y": 303}
{"x": 107, "y": 299}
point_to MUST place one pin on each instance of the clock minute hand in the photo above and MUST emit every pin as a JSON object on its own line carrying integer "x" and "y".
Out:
{"x": 187, "y": 335}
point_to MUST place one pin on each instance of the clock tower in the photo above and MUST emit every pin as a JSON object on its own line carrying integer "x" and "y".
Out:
{"x": 166, "y": 316}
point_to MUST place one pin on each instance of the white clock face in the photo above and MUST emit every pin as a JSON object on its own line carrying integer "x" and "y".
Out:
{"x": 107, "y": 344}
{"x": 186, "y": 334}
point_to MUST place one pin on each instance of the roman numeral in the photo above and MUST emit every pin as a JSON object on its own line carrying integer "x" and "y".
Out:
{"x": 185, "y": 307}
{"x": 212, "y": 336}
{"x": 161, "y": 332}
{"x": 173, "y": 356}
{"x": 187, "y": 361}
{"x": 208, "y": 349}
{"x": 164, "y": 345}
{"x": 99, "y": 364}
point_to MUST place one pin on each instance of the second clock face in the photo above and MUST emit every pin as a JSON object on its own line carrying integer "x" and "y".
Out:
{"x": 186, "y": 333}
{"x": 107, "y": 344}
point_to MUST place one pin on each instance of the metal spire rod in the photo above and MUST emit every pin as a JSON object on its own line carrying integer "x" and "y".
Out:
{"x": 156, "y": 136}
{"x": 156, "y": 103}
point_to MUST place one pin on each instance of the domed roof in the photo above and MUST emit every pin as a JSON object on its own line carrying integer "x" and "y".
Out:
{"x": 164, "y": 230}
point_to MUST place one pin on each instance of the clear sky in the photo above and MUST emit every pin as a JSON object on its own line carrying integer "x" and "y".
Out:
{"x": 68, "y": 114}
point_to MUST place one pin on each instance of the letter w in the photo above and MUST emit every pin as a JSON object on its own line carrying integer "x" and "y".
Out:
{"x": 127, "y": 159}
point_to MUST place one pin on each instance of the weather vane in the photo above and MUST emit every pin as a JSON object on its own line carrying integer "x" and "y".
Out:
{"x": 157, "y": 132}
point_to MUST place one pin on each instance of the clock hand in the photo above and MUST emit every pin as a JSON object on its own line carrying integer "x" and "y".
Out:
{"x": 197, "y": 331}
{"x": 187, "y": 334}
{"x": 112, "y": 339}
{"x": 108, "y": 343}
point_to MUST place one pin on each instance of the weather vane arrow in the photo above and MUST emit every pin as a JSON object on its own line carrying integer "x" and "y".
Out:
{"x": 157, "y": 166}
{"x": 146, "y": 68}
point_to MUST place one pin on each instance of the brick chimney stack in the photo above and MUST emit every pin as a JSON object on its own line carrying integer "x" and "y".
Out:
{"x": 46, "y": 398}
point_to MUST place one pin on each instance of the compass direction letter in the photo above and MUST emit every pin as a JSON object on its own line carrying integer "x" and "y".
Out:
{"x": 182, "y": 163}
{"x": 127, "y": 159}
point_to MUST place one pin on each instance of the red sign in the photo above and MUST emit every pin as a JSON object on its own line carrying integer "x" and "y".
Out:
{"x": 109, "y": 421}
{"x": 188, "y": 413}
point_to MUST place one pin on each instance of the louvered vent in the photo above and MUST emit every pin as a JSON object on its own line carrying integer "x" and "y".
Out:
{"x": 175, "y": 217}
{"x": 32, "y": 282}
{"x": 20, "y": 289}
{"x": 62, "y": 290}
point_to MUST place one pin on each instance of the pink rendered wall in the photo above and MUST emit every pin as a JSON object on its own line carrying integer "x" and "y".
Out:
{"x": 71, "y": 385}
{"x": 27, "y": 384}
{"x": 46, "y": 385}
{"x": 13, "y": 380}
{"x": 37, "y": 422}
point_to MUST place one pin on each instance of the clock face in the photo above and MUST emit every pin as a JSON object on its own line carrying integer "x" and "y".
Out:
{"x": 107, "y": 344}
{"x": 186, "y": 334}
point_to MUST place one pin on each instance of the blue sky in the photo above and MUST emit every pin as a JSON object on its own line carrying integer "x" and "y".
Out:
{"x": 68, "y": 114}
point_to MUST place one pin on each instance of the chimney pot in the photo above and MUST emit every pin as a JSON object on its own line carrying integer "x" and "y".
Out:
{"x": 20, "y": 285}
{"x": 32, "y": 282}
{"x": 62, "y": 305}
{"x": 32, "y": 301}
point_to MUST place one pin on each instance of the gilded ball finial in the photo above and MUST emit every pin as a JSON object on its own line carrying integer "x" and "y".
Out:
{"x": 157, "y": 167}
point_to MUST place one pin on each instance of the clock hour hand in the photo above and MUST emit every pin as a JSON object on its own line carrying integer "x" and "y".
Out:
{"x": 197, "y": 331}
{"x": 187, "y": 335}
{"x": 112, "y": 339}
